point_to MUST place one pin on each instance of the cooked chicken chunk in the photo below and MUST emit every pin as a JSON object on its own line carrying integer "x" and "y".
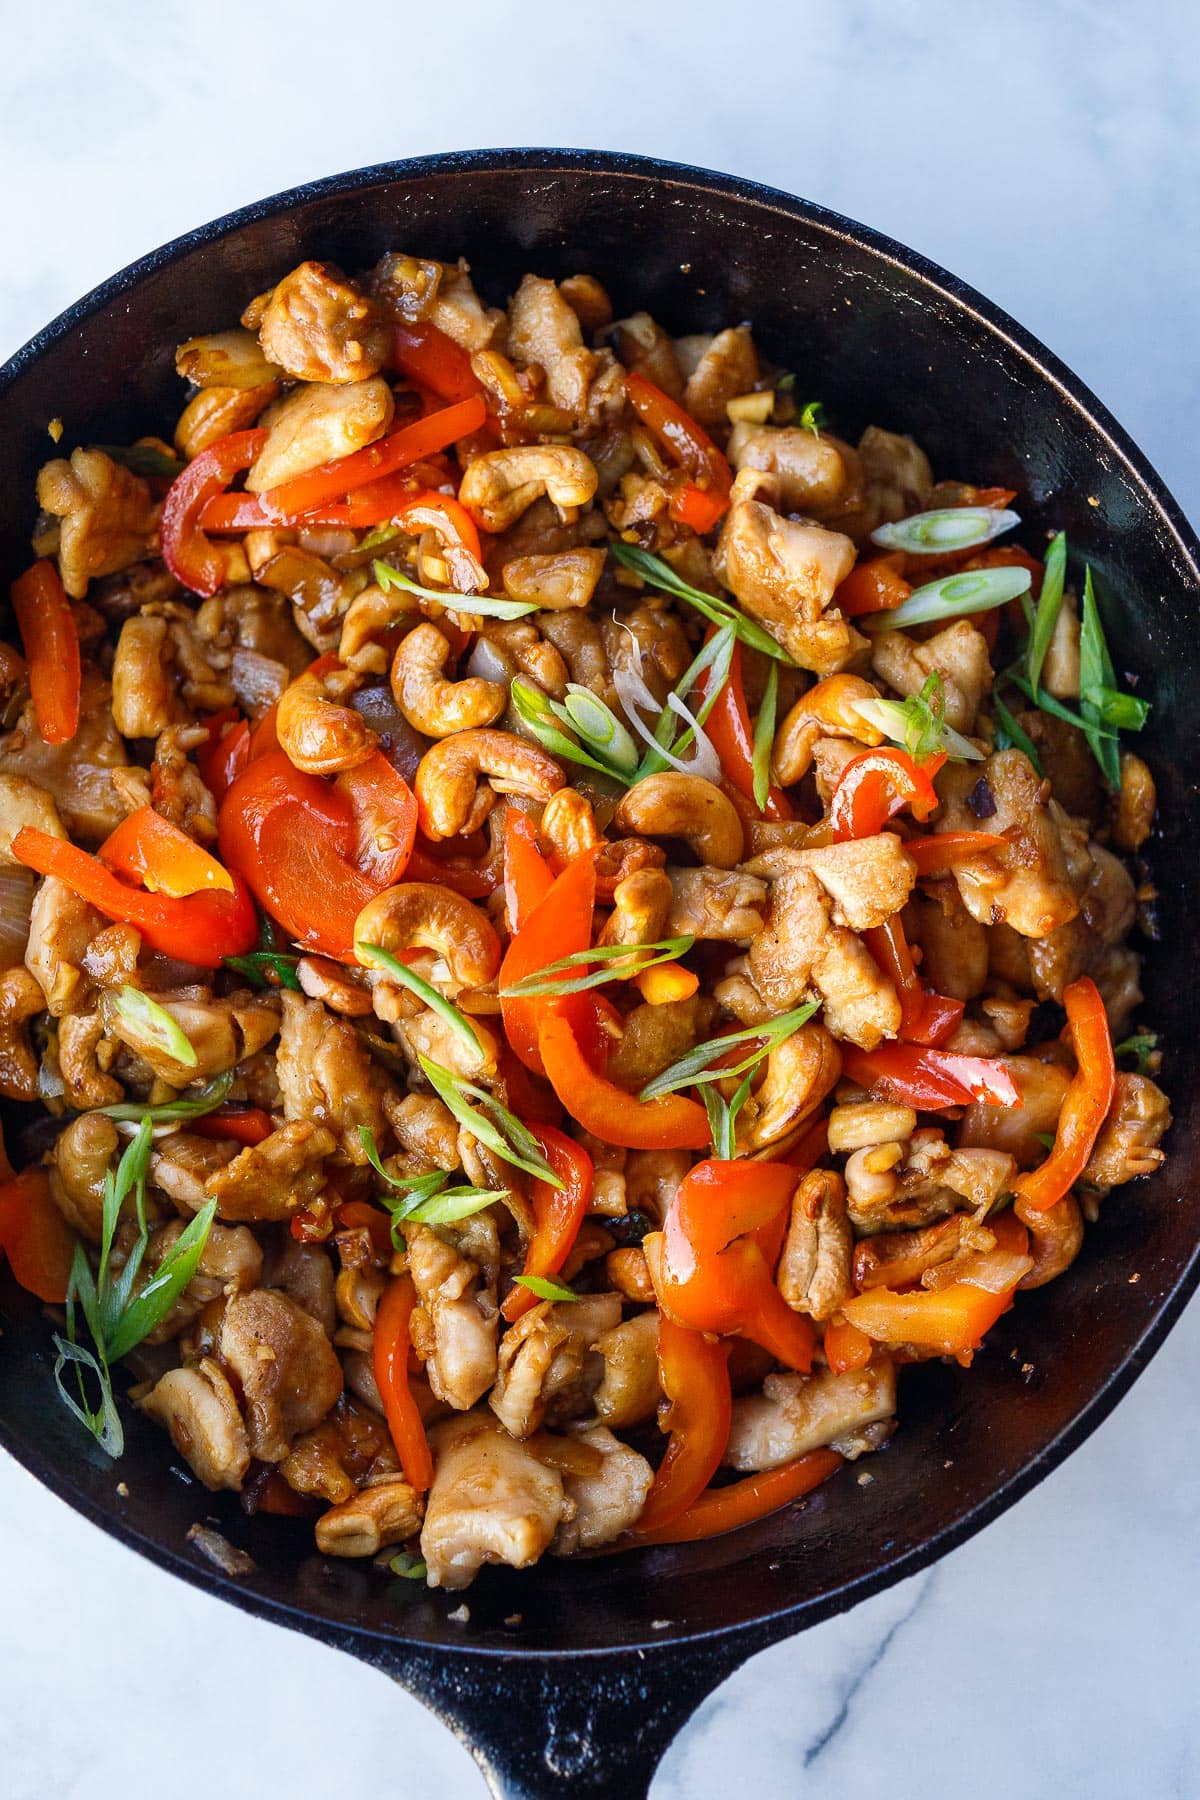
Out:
{"x": 286, "y": 1368}
{"x": 608, "y": 1500}
{"x": 107, "y": 516}
{"x": 798, "y": 1413}
{"x": 720, "y": 904}
{"x": 629, "y": 1389}
{"x": 815, "y": 474}
{"x": 61, "y": 928}
{"x": 1028, "y": 885}
{"x": 547, "y": 1366}
{"x": 199, "y": 1409}
{"x": 868, "y": 878}
{"x": 79, "y": 775}
{"x": 728, "y": 367}
{"x": 491, "y": 1501}
{"x": 814, "y": 1269}
{"x": 317, "y": 326}
{"x": 860, "y": 1003}
{"x": 784, "y": 573}
{"x": 1129, "y": 1138}
{"x": 326, "y": 1073}
{"x": 455, "y": 1328}
{"x": 959, "y": 654}
{"x": 276, "y": 1178}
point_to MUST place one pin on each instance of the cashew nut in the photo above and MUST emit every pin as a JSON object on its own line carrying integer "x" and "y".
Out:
{"x": 686, "y": 806}
{"x": 800, "y": 1072}
{"x": 429, "y": 702}
{"x": 450, "y": 803}
{"x": 387, "y": 1512}
{"x": 370, "y": 615}
{"x": 569, "y": 825}
{"x": 319, "y": 735}
{"x": 641, "y": 904}
{"x": 867, "y": 1122}
{"x": 421, "y": 915}
{"x": 826, "y": 710}
{"x": 498, "y": 486}
{"x": 1055, "y": 1238}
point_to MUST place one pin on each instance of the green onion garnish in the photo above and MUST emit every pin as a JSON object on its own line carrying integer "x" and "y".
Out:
{"x": 972, "y": 591}
{"x": 374, "y": 956}
{"x": 764, "y": 738}
{"x": 706, "y": 1062}
{"x": 556, "y": 979}
{"x": 658, "y": 574}
{"x": 152, "y": 1025}
{"x": 494, "y": 1126}
{"x": 919, "y": 725}
{"x": 545, "y": 1289}
{"x": 480, "y": 604}
{"x": 949, "y": 529}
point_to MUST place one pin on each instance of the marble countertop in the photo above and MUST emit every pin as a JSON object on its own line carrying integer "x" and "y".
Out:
{"x": 1047, "y": 152}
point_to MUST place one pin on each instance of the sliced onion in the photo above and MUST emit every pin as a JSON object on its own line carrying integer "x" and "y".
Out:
{"x": 942, "y": 532}
{"x": 397, "y": 739}
{"x": 633, "y": 693}
{"x": 149, "y": 1025}
{"x": 16, "y": 904}
{"x": 258, "y": 681}
{"x": 489, "y": 663}
{"x": 998, "y": 1271}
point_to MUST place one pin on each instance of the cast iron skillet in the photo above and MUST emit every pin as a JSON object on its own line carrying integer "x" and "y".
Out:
{"x": 576, "y": 1675}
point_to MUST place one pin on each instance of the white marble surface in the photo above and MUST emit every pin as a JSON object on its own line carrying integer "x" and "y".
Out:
{"x": 1048, "y": 153}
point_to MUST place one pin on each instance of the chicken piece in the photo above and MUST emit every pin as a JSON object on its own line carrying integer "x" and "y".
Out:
{"x": 932, "y": 1181}
{"x": 795, "y": 932}
{"x": 78, "y": 775}
{"x": 830, "y": 756}
{"x": 798, "y": 1413}
{"x": 629, "y": 1390}
{"x": 959, "y": 654}
{"x": 275, "y": 1179}
{"x": 954, "y": 946}
{"x": 868, "y": 879}
{"x": 897, "y": 481}
{"x": 544, "y": 329}
{"x": 1067, "y": 763}
{"x": 425, "y": 1127}
{"x": 23, "y": 802}
{"x": 656, "y": 1036}
{"x": 491, "y": 1501}
{"x": 350, "y": 1446}
{"x": 455, "y": 1327}
{"x": 861, "y": 1004}
{"x": 326, "y": 1073}
{"x": 727, "y": 368}
{"x": 1128, "y": 1142}
{"x": 1015, "y": 1129}
{"x": 199, "y": 1409}
{"x": 387, "y": 1511}
{"x": 547, "y": 1365}
{"x": 145, "y": 699}
{"x": 182, "y": 1163}
{"x": 61, "y": 927}
{"x": 642, "y": 344}
{"x": 607, "y": 1500}
{"x": 287, "y": 1370}
{"x": 1133, "y": 813}
{"x": 814, "y": 474}
{"x": 81, "y": 1037}
{"x": 784, "y": 574}
{"x": 814, "y": 1270}
{"x": 107, "y": 516}
{"x": 221, "y": 1032}
{"x": 21, "y": 1000}
{"x": 317, "y": 326}
{"x": 652, "y": 1178}
{"x": 1026, "y": 885}
{"x": 1117, "y": 973}
{"x": 230, "y": 1262}
{"x": 721, "y": 904}
{"x": 310, "y": 426}
{"x": 305, "y": 1274}
{"x": 179, "y": 793}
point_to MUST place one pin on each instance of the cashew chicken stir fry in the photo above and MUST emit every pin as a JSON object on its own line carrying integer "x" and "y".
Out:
{"x": 561, "y": 923}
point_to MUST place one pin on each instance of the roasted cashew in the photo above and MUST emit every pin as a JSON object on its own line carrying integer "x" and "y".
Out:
{"x": 320, "y": 736}
{"x": 432, "y": 704}
{"x": 640, "y": 906}
{"x": 686, "y": 806}
{"x": 420, "y": 915}
{"x": 1055, "y": 1238}
{"x": 450, "y": 802}
{"x": 569, "y": 824}
{"x": 498, "y": 486}
{"x": 826, "y": 710}
{"x": 369, "y": 616}
{"x": 801, "y": 1071}
{"x": 386, "y": 1512}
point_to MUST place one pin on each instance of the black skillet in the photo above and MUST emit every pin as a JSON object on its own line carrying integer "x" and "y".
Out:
{"x": 575, "y": 1676}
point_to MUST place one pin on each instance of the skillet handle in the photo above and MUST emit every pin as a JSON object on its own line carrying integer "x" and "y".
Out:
{"x": 588, "y": 1726}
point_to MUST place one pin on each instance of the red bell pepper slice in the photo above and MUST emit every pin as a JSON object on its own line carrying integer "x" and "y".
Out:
{"x": 946, "y": 850}
{"x": 558, "y": 1213}
{"x": 559, "y": 925}
{"x": 925, "y": 1017}
{"x": 607, "y": 1111}
{"x": 874, "y": 586}
{"x": 930, "y": 1080}
{"x": 198, "y": 928}
{"x": 1087, "y": 1100}
{"x": 724, "y": 1509}
{"x": 389, "y": 1360}
{"x": 728, "y": 726}
{"x": 846, "y": 1347}
{"x": 246, "y": 1125}
{"x": 689, "y": 446}
{"x": 35, "y": 1237}
{"x": 433, "y": 360}
{"x": 51, "y": 640}
{"x": 314, "y": 851}
{"x": 875, "y": 786}
{"x": 951, "y": 1320}
{"x": 712, "y": 1271}
{"x": 694, "y": 1373}
{"x": 528, "y": 877}
{"x": 161, "y": 858}
{"x": 291, "y": 500}
{"x": 223, "y": 758}
{"x": 186, "y": 551}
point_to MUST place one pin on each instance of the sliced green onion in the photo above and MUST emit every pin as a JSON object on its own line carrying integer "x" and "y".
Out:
{"x": 918, "y": 725}
{"x": 972, "y": 591}
{"x": 1049, "y": 605}
{"x": 948, "y": 529}
{"x": 143, "y": 459}
{"x": 480, "y": 604}
{"x": 713, "y": 660}
{"x": 704, "y": 1062}
{"x": 154, "y": 1300}
{"x": 545, "y": 1289}
{"x": 374, "y": 956}
{"x": 764, "y": 738}
{"x": 495, "y": 1126}
{"x": 153, "y": 1025}
{"x": 1048, "y": 704}
{"x": 173, "y": 1111}
{"x": 1141, "y": 1046}
{"x": 659, "y": 574}
{"x": 408, "y": 1567}
{"x": 811, "y": 417}
{"x": 556, "y": 979}
{"x": 256, "y": 965}
{"x": 536, "y": 712}
{"x": 1008, "y": 732}
{"x": 599, "y": 727}
{"x": 447, "y": 1207}
{"x": 1097, "y": 678}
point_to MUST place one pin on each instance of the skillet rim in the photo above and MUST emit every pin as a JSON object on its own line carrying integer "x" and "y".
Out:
{"x": 769, "y": 1625}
